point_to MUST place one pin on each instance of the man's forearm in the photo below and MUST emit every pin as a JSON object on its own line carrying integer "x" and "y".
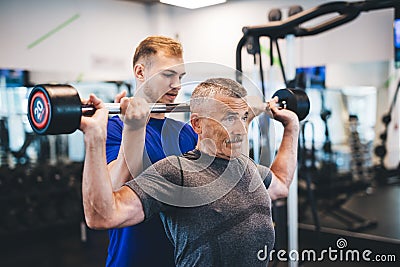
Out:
{"x": 129, "y": 162}
{"x": 97, "y": 193}
{"x": 285, "y": 162}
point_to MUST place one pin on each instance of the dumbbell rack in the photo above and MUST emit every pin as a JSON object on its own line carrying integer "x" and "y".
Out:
{"x": 39, "y": 197}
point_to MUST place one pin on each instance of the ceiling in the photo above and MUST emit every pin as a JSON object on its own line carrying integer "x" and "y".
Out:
{"x": 144, "y": 1}
{"x": 154, "y": 1}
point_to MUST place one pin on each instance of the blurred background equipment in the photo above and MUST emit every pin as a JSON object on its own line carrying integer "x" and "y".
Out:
{"x": 40, "y": 176}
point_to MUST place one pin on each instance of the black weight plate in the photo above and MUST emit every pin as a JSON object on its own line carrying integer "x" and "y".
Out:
{"x": 39, "y": 112}
{"x": 303, "y": 103}
{"x": 62, "y": 109}
{"x": 295, "y": 100}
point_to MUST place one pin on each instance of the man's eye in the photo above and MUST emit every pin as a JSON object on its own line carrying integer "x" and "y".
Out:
{"x": 168, "y": 75}
{"x": 244, "y": 118}
{"x": 230, "y": 119}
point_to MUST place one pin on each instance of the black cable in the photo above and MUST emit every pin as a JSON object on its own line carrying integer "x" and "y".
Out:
{"x": 271, "y": 52}
{"x": 262, "y": 76}
{"x": 394, "y": 98}
{"x": 325, "y": 114}
{"x": 281, "y": 63}
{"x": 381, "y": 150}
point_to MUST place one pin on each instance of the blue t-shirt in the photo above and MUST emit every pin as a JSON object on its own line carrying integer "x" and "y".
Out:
{"x": 146, "y": 244}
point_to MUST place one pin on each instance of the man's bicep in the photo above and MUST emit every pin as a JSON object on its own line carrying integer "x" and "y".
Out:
{"x": 277, "y": 189}
{"x": 156, "y": 186}
{"x": 129, "y": 208}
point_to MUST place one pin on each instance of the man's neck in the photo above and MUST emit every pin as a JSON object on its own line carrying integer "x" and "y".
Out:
{"x": 211, "y": 152}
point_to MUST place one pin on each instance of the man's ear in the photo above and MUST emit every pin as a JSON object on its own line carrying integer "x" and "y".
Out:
{"x": 195, "y": 120}
{"x": 138, "y": 71}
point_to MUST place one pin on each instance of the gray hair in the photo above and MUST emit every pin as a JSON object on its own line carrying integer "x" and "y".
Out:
{"x": 210, "y": 87}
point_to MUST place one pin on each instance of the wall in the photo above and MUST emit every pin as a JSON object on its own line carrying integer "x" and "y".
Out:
{"x": 99, "y": 42}
{"x": 217, "y": 30}
{"x": 93, "y": 40}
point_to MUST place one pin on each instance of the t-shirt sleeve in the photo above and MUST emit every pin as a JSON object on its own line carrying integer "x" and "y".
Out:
{"x": 157, "y": 187}
{"x": 114, "y": 137}
{"x": 266, "y": 175}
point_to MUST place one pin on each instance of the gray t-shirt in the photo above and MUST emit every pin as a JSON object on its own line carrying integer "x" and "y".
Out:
{"x": 216, "y": 212}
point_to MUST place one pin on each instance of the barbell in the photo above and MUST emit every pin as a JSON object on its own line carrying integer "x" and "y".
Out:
{"x": 57, "y": 108}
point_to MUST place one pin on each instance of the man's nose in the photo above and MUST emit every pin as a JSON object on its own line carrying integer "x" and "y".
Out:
{"x": 239, "y": 128}
{"x": 176, "y": 82}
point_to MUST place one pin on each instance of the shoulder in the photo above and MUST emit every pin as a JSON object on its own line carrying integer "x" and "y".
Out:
{"x": 183, "y": 127}
{"x": 166, "y": 162}
{"x": 176, "y": 123}
{"x": 264, "y": 172}
{"x": 167, "y": 168}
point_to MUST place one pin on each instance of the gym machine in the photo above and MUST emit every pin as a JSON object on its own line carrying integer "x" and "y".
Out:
{"x": 345, "y": 12}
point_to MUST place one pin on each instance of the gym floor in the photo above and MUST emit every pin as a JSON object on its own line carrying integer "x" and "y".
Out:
{"x": 62, "y": 246}
{"x": 381, "y": 205}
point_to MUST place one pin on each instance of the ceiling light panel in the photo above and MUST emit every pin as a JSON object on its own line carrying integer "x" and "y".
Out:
{"x": 192, "y": 4}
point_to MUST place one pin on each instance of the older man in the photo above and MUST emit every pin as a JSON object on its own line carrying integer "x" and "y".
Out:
{"x": 214, "y": 201}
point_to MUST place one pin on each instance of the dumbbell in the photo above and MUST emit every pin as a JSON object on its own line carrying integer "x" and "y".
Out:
{"x": 57, "y": 109}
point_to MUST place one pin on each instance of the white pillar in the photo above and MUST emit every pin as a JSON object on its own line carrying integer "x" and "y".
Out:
{"x": 293, "y": 243}
{"x": 392, "y": 158}
{"x": 292, "y": 205}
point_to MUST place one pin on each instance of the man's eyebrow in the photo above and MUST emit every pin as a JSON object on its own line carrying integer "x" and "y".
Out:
{"x": 175, "y": 72}
{"x": 170, "y": 71}
{"x": 229, "y": 113}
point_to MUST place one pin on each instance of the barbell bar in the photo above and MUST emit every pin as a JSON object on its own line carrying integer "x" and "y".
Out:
{"x": 57, "y": 108}
{"x": 115, "y": 108}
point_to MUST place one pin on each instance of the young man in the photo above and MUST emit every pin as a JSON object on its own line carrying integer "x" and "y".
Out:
{"x": 158, "y": 69}
{"x": 214, "y": 201}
